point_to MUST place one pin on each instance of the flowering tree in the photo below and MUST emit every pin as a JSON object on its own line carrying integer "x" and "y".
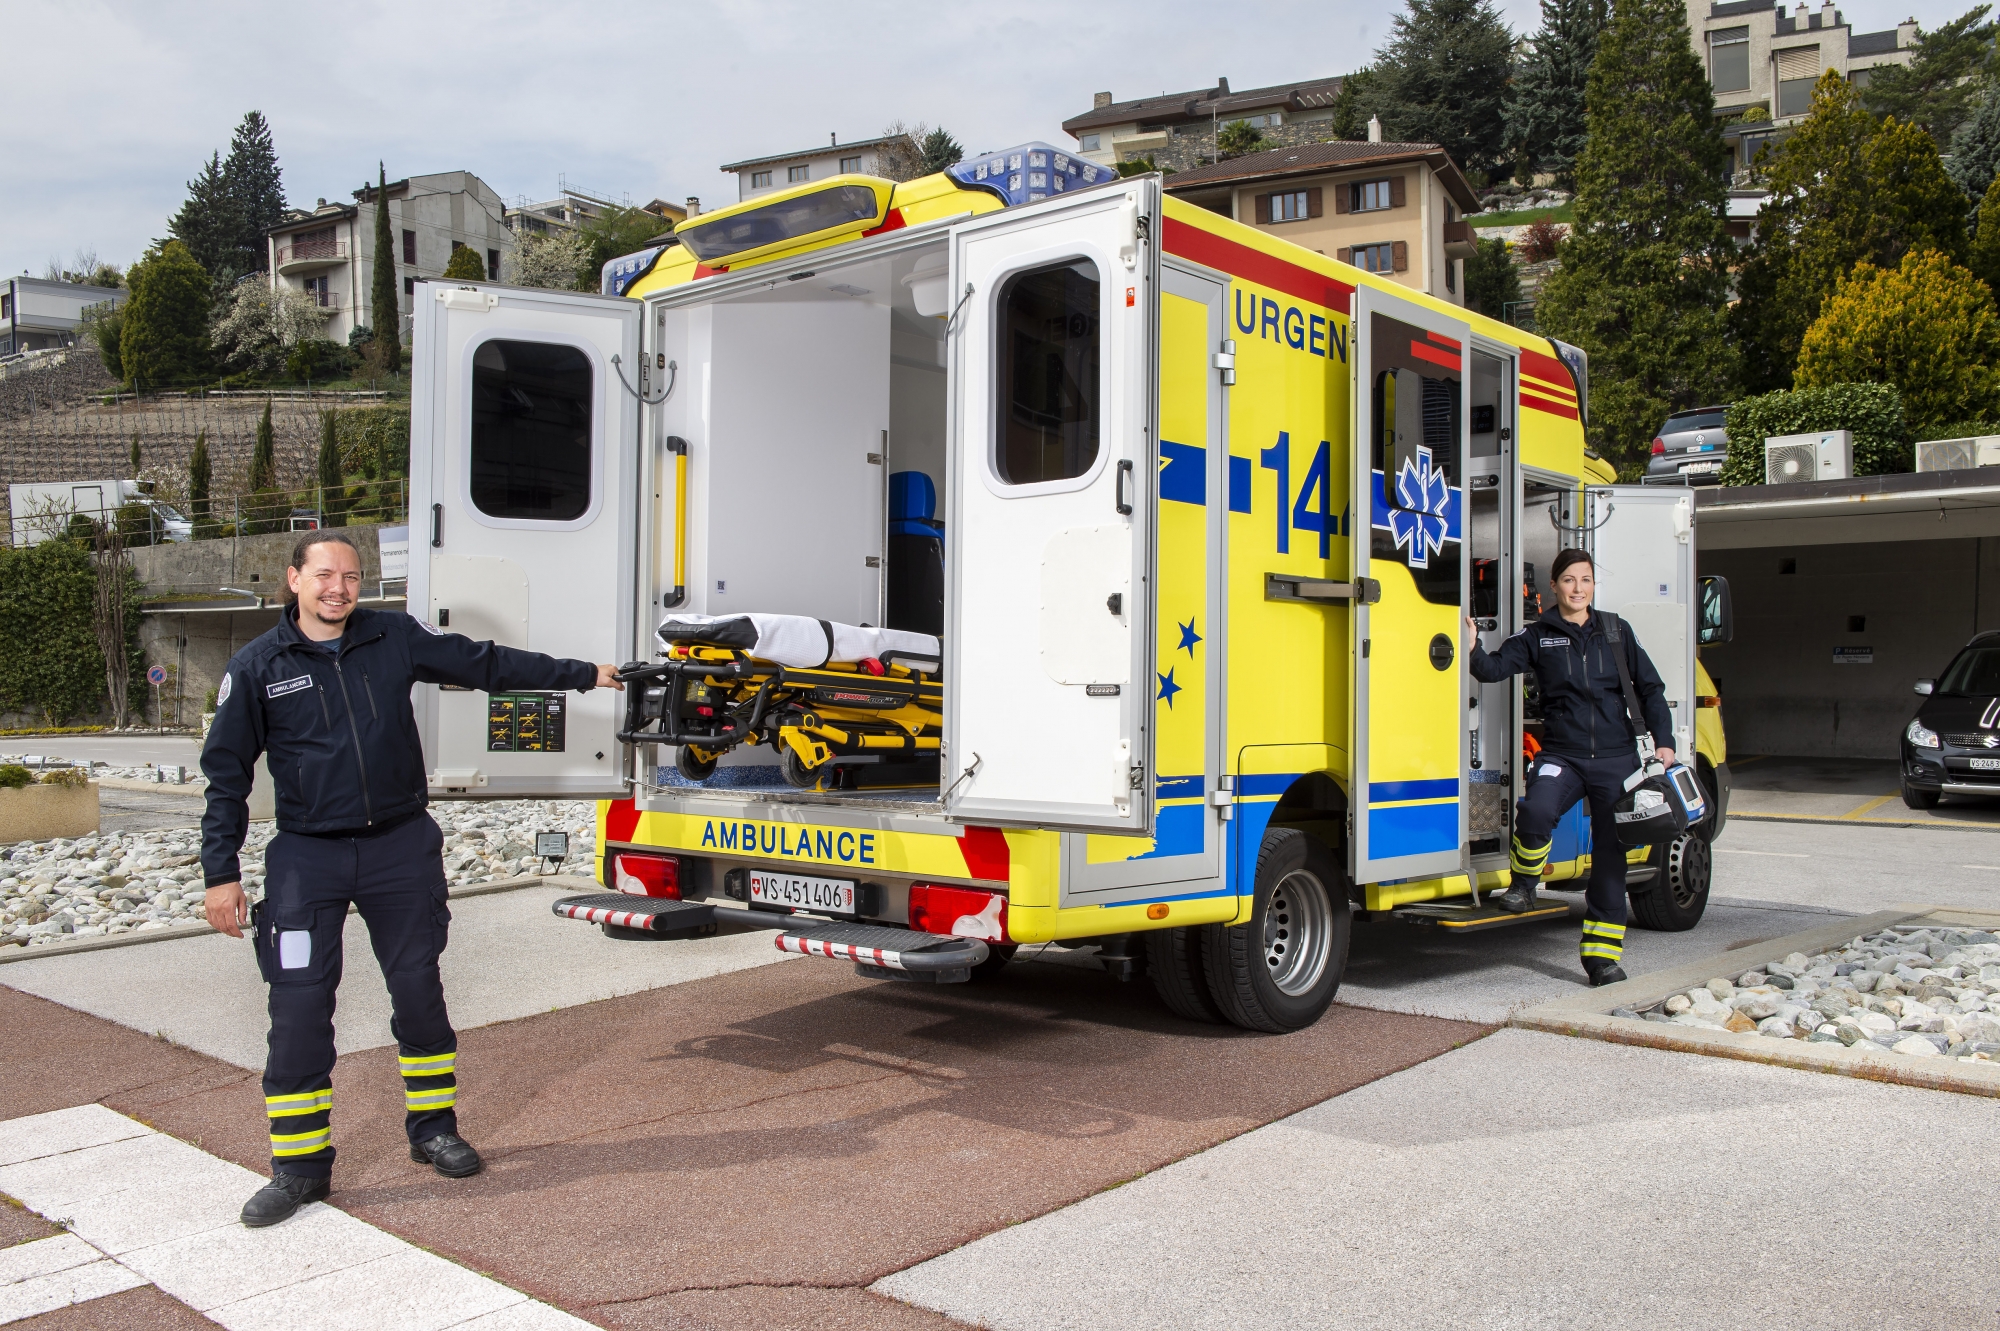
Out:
{"x": 259, "y": 326}
{"x": 546, "y": 259}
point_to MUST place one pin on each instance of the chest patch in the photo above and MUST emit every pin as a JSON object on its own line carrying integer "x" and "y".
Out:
{"x": 1555, "y": 642}
{"x": 284, "y": 686}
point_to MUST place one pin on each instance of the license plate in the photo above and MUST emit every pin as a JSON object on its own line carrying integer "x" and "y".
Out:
{"x": 1986, "y": 764}
{"x": 835, "y": 895}
{"x": 1703, "y": 466}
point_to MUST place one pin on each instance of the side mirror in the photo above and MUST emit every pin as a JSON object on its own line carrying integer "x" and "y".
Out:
{"x": 1926, "y": 687}
{"x": 1717, "y": 622}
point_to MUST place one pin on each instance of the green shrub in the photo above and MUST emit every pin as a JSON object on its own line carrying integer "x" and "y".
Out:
{"x": 319, "y": 360}
{"x": 1874, "y": 412}
{"x": 69, "y": 778}
{"x": 13, "y": 776}
{"x": 50, "y": 662}
{"x": 467, "y": 266}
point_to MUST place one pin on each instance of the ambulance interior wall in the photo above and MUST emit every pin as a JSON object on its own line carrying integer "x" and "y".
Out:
{"x": 1912, "y": 604}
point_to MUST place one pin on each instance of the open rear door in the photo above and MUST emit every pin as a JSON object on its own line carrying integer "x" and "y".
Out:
{"x": 1410, "y": 445}
{"x": 1049, "y": 679}
{"x": 1642, "y": 540}
{"x": 523, "y": 477}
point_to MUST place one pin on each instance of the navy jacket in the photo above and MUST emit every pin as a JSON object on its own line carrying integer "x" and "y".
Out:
{"x": 1583, "y": 705}
{"x": 344, "y": 751}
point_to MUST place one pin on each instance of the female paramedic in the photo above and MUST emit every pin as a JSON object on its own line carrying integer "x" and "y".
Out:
{"x": 1588, "y": 748}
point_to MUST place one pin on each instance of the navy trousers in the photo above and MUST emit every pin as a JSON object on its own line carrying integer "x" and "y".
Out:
{"x": 1555, "y": 784}
{"x": 396, "y": 879}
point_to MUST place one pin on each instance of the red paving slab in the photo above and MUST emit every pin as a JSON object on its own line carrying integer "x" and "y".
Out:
{"x": 754, "y": 1149}
{"x": 20, "y": 1225}
{"x": 141, "y": 1309}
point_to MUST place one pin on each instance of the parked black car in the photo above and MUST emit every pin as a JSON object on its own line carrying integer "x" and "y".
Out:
{"x": 1689, "y": 449}
{"x": 1953, "y": 745}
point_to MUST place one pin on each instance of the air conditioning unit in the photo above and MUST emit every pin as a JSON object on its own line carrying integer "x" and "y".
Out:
{"x": 1825, "y": 456}
{"x": 1959, "y": 454}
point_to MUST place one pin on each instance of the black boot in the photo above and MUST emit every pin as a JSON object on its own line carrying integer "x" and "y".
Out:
{"x": 1517, "y": 899}
{"x": 1602, "y": 972}
{"x": 447, "y": 1153}
{"x": 283, "y": 1195}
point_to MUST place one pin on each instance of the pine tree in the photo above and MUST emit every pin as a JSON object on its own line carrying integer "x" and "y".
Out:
{"x": 1915, "y": 204}
{"x": 264, "y": 455}
{"x": 198, "y": 479}
{"x": 1975, "y": 147}
{"x": 1350, "y": 121}
{"x": 939, "y": 150}
{"x": 256, "y": 187}
{"x": 1492, "y": 282}
{"x": 1937, "y": 89}
{"x": 385, "y": 317}
{"x": 1442, "y": 78}
{"x": 209, "y": 224}
{"x": 163, "y": 340}
{"x": 1983, "y": 255}
{"x": 1545, "y": 105}
{"x": 1644, "y": 273}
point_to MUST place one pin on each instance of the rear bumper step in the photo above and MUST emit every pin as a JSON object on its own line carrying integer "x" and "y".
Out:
{"x": 1469, "y": 918}
{"x": 620, "y": 910}
{"x": 901, "y": 954}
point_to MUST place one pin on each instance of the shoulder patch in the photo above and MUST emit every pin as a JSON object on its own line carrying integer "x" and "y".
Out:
{"x": 429, "y": 627}
{"x": 222, "y": 690}
{"x": 284, "y": 686}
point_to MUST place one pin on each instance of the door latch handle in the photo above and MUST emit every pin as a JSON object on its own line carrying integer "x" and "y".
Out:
{"x": 437, "y": 526}
{"x": 1124, "y": 504}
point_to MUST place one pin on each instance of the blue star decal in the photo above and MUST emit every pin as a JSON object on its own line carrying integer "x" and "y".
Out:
{"x": 1168, "y": 688}
{"x": 1188, "y": 637}
{"x": 1424, "y": 499}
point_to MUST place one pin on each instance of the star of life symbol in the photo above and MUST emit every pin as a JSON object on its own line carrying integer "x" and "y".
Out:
{"x": 1423, "y": 498}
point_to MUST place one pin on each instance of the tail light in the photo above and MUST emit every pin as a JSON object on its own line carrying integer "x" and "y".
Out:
{"x": 958, "y": 912}
{"x": 646, "y": 875}
{"x": 1659, "y": 446}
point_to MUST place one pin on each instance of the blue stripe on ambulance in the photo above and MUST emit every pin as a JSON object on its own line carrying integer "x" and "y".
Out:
{"x": 1184, "y": 476}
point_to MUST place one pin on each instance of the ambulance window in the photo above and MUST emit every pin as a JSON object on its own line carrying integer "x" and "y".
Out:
{"x": 1418, "y": 404}
{"x": 531, "y": 406}
{"x": 1048, "y": 402}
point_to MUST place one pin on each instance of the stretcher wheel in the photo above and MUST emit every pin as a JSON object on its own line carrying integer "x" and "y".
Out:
{"x": 691, "y": 767}
{"x": 797, "y": 774}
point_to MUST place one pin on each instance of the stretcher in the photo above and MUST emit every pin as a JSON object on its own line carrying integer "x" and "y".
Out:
{"x": 827, "y": 698}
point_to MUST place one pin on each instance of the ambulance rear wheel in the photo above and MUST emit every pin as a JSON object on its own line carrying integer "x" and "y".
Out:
{"x": 1174, "y": 958}
{"x": 1679, "y": 892}
{"x": 691, "y": 767}
{"x": 1279, "y": 972}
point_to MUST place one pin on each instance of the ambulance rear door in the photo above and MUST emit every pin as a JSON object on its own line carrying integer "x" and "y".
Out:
{"x": 1641, "y": 538}
{"x": 1052, "y": 455}
{"x": 523, "y": 515}
{"x": 1409, "y": 734}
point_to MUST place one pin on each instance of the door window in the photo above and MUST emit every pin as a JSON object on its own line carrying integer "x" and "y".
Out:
{"x": 1417, "y": 403}
{"x": 1049, "y": 348}
{"x": 531, "y": 430}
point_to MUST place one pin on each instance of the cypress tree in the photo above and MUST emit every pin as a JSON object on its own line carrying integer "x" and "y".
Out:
{"x": 1545, "y": 105}
{"x": 256, "y": 188}
{"x": 164, "y": 333}
{"x": 1983, "y": 255}
{"x": 1915, "y": 206}
{"x": 1442, "y": 78}
{"x": 1644, "y": 272}
{"x": 384, "y": 317}
{"x": 332, "y": 477}
{"x": 264, "y": 456}
{"x": 136, "y": 462}
{"x": 198, "y": 479}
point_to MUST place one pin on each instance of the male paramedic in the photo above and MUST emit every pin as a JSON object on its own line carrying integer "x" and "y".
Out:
{"x": 326, "y": 695}
{"x": 1588, "y": 748}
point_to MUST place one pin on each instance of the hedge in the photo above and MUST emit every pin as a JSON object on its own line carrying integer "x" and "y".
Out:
{"x": 1874, "y": 412}
{"x": 49, "y": 658}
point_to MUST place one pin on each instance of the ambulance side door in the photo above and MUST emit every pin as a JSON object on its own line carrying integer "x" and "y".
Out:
{"x": 1642, "y": 540}
{"x": 1051, "y": 461}
{"x": 1409, "y": 749}
{"x": 523, "y": 519}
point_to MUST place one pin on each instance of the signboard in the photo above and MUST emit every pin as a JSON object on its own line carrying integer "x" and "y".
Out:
{"x": 524, "y": 722}
{"x": 394, "y": 543}
{"x": 552, "y": 845}
{"x": 156, "y": 676}
{"x": 1854, "y": 656}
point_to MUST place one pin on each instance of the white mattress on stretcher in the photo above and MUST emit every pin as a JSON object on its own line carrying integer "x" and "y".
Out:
{"x": 797, "y": 640}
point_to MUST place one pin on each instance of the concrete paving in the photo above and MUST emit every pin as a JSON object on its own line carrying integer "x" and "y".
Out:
{"x": 508, "y": 958}
{"x": 121, "y": 809}
{"x": 1844, "y": 790}
{"x": 118, "y": 750}
{"x": 1857, "y": 869}
{"x": 1527, "y": 1181}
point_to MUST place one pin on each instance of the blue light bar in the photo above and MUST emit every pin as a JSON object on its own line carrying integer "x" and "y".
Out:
{"x": 1028, "y": 172}
{"x": 623, "y": 271}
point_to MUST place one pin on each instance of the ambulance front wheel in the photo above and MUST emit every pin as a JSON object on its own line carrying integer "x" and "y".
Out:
{"x": 1674, "y": 900}
{"x": 691, "y": 767}
{"x": 1279, "y": 972}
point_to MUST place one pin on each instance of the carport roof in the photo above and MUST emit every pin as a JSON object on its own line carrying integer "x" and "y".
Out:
{"x": 1932, "y": 505}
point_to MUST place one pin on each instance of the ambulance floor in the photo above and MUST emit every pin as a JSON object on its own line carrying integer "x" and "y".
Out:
{"x": 750, "y": 1148}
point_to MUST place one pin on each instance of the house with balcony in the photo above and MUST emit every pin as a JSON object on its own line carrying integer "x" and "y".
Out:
{"x": 866, "y": 157}
{"x": 1763, "y": 59}
{"x": 39, "y": 312}
{"x": 1177, "y": 131}
{"x": 329, "y": 251}
{"x": 572, "y": 208}
{"x": 1397, "y": 209}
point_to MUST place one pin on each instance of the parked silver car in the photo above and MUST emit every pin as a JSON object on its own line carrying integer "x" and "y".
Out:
{"x": 1689, "y": 449}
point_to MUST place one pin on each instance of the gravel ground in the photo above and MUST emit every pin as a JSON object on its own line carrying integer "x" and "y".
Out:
{"x": 115, "y": 883}
{"x": 1912, "y": 991}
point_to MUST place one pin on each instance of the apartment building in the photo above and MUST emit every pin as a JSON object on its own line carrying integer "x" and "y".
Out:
{"x": 1392, "y": 208}
{"x": 1764, "y": 57}
{"x": 1176, "y": 131}
{"x": 37, "y": 312}
{"x": 329, "y": 252}
{"x": 573, "y": 208}
{"x": 867, "y": 157}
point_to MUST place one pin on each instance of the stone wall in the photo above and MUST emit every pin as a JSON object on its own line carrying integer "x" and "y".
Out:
{"x": 1190, "y": 146}
{"x": 253, "y": 563}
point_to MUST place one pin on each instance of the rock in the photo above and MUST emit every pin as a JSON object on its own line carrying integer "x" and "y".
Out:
{"x": 1738, "y": 1022}
{"x": 1915, "y": 1044}
{"x": 1776, "y": 1027}
{"x": 1678, "y": 1003}
{"x": 1824, "y": 1036}
{"x": 1781, "y": 981}
{"x": 1625, "y": 1012}
{"x": 1756, "y": 1006}
{"x": 1720, "y": 989}
{"x": 1864, "y": 981}
{"x": 1798, "y": 961}
{"x": 1750, "y": 979}
{"x": 1873, "y": 1021}
{"x": 1830, "y": 1005}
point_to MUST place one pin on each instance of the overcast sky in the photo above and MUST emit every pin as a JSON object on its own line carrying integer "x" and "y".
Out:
{"x": 637, "y": 99}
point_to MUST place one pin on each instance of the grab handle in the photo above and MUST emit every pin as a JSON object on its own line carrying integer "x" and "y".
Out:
{"x": 1124, "y": 475}
{"x": 437, "y": 526}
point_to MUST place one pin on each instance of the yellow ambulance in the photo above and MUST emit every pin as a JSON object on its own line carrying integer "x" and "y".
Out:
{"x": 1191, "y": 514}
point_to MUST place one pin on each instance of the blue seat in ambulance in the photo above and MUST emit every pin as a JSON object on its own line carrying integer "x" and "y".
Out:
{"x": 916, "y": 555}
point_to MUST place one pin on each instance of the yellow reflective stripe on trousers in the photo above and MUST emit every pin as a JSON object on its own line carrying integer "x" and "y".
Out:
{"x": 309, "y": 1102}
{"x": 1603, "y": 930}
{"x": 431, "y": 1065}
{"x": 417, "y": 1101}
{"x": 1608, "y": 951}
{"x": 300, "y": 1143}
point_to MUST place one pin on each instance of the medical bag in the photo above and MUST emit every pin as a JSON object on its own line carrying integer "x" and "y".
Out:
{"x": 1660, "y": 802}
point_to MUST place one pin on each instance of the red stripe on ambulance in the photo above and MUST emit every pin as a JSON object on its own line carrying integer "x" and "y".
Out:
{"x": 1422, "y": 351}
{"x": 986, "y": 854}
{"x": 621, "y": 820}
{"x": 1549, "y": 405}
{"x": 1205, "y": 247}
